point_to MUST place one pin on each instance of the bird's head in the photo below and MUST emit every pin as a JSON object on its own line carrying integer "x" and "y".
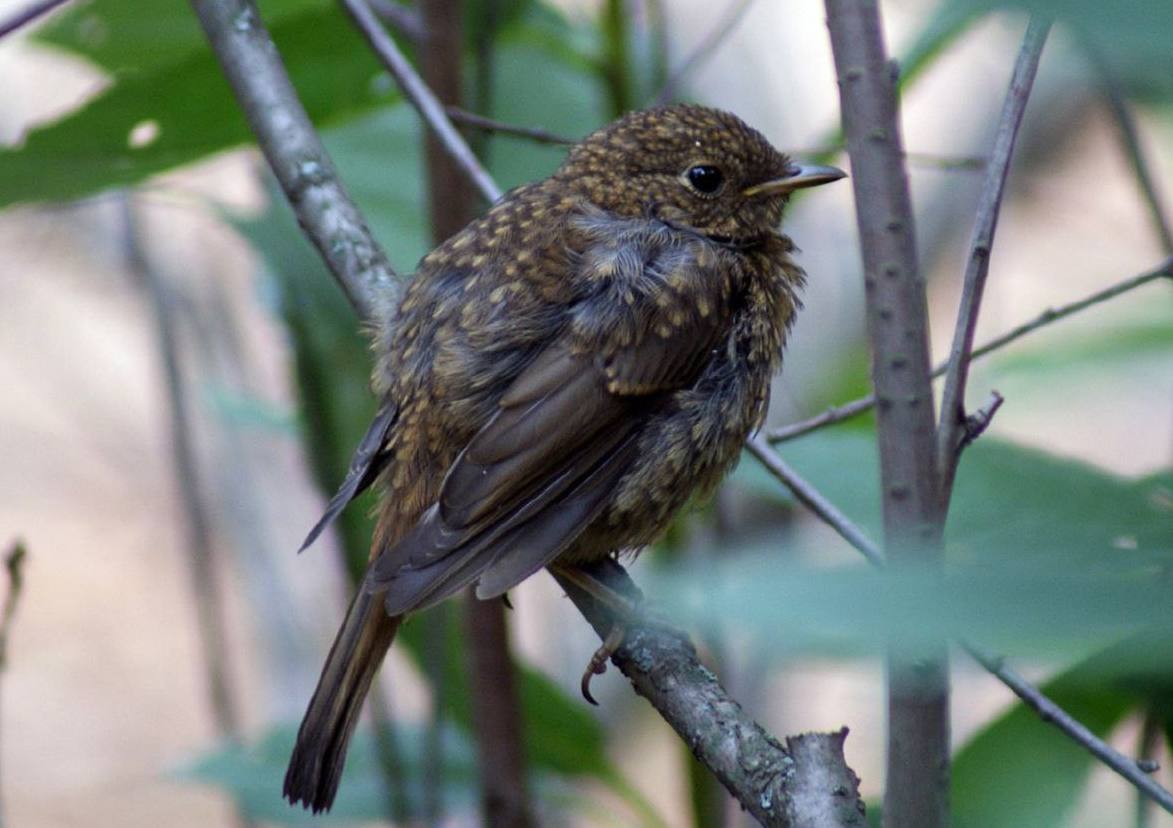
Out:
{"x": 691, "y": 166}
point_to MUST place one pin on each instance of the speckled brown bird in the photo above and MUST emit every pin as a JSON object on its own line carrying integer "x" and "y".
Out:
{"x": 560, "y": 377}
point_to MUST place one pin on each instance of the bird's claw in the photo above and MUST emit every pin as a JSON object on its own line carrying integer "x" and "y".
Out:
{"x": 598, "y": 663}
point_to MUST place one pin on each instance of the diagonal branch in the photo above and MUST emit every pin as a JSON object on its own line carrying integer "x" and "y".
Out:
{"x": 28, "y": 15}
{"x": 420, "y": 96}
{"x": 285, "y": 135}
{"x": 952, "y": 428}
{"x": 845, "y": 411}
{"x": 781, "y": 786}
{"x": 1130, "y": 769}
{"x": 1130, "y": 138}
{"x": 733, "y": 15}
{"x": 472, "y": 119}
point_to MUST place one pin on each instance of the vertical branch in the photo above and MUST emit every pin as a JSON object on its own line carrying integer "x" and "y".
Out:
{"x": 201, "y": 550}
{"x": 450, "y": 201}
{"x": 918, "y": 685}
{"x": 951, "y": 433}
{"x": 14, "y": 568}
{"x": 616, "y": 56}
{"x": 496, "y": 708}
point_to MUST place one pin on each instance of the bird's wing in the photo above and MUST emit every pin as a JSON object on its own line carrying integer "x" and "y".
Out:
{"x": 564, "y": 435}
{"x": 366, "y": 463}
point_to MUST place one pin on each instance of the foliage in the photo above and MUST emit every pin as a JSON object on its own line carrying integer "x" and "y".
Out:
{"x": 1049, "y": 557}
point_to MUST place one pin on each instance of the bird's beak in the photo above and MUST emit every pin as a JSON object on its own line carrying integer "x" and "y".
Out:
{"x": 797, "y": 177}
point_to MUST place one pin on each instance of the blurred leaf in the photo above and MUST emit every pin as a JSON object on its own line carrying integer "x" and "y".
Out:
{"x": 252, "y": 775}
{"x": 534, "y": 86}
{"x": 752, "y": 478}
{"x": 1046, "y": 555}
{"x": 1022, "y": 771}
{"x": 560, "y": 734}
{"x": 1132, "y": 36}
{"x": 134, "y": 37}
{"x": 1146, "y": 338}
{"x": 183, "y": 101}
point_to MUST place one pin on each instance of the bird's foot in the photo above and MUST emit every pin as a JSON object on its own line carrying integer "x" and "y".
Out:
{"x": 598, "y": 663}
{"x": 626, "y": 610}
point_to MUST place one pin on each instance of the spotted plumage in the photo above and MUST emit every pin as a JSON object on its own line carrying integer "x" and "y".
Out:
{"x": 560, "y": 377}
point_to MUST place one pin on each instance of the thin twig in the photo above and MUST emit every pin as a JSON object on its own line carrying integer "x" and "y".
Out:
{"x": 1151, "y": 726}
{"x": 285, "y": 135}
{"x": 1048, "y": 711}
{"x": 845, "y": 411}
{"x": 541, "y": 136}
{"x": 703, "y": 50}
{"x": 1130, "y": 138}
{"x": 977, "y": 422}
{"x": 28, "y": 15}
{"x": 814, "y": 500}
{"x": 918, "y": 757}
{"x": 14, "y": 568}
{"x": 420, "y": 96}
{"x": 951, "y": 430}
{"x": 401, "y": 19}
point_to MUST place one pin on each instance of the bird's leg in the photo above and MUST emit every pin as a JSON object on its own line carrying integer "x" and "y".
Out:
{"x": 624, "y": 609}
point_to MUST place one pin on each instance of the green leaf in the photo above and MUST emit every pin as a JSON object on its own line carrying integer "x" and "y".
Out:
{"x": 184, "y": 100}
{"x": 560, "y": 734}
{"x": 1022, "y": 771}
{"x": 126, "y": 36}
{"x": 1131, "y": 36}
{"x": 1046, "y": 556}
{"x": 252, "y": 775}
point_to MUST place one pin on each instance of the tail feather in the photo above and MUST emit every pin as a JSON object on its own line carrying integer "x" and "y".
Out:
{"x": 319, "y": 754}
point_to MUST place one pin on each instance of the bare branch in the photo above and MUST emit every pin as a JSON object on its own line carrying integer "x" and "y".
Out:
{"x": 285, "y": 135}
{"x": 977, "y": 422}
{"x": 918, "y": 688}
{"x": 1048, "y": 711}
{"x": 951, "y": 431}
{"x": 839, "y": 413}
{"x": 1130, "y": 138}
{"x": 420, "y": 96}
{"x": 813, "y": 499}
{"x": 14, "y": 569}
{"x": 704, "y": 50}
{"x": 777, "y": 787}
{"x": 403, "y": 20}
{"x": 26, "y": 16}
{"x": 201, "y": 550}
{"x": 541, "y": 136}
{"x": 14, "y": 560}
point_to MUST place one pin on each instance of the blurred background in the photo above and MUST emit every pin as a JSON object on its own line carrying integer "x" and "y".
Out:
{"x": 182, "y": 384}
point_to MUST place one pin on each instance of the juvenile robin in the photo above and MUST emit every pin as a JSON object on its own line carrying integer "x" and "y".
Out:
{"x": 560, "y": 377}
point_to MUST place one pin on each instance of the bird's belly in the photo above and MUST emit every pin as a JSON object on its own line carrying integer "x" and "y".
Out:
{"x": 684, "y": 452}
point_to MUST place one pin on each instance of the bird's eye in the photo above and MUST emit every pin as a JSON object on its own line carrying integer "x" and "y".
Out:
{"x": 705, "y": 178}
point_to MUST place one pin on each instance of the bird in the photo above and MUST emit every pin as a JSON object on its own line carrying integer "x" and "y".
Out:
{"x": 559, "y": 378}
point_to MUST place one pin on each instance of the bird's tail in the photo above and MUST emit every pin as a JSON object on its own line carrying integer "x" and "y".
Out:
{"x": 320, "y": 752}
